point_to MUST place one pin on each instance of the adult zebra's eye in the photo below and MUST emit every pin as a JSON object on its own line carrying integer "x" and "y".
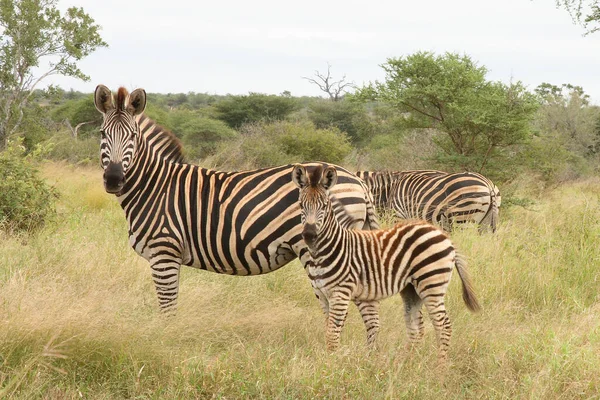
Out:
{"x": 102, "y": 134}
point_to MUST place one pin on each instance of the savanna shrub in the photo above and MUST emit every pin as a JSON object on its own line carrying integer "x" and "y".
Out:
{"x": 238, "y": 110}
{"x": 264, "y": 145}
{"x": 64, "y": 147}
{"x": 26, "y": 201}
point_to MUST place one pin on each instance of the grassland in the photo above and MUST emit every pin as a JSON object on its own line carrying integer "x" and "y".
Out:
{"x": 79, "y": 317}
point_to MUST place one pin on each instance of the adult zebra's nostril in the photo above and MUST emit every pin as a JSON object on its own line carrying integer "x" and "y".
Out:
{"x": 114, "y": 177}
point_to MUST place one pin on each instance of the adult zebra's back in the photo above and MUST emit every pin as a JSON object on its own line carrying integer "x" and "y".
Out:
{"x": 236, "y": 223}
{"x": 438, "y": 197}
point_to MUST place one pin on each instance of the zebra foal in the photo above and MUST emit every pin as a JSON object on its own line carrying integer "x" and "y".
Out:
{"x": 414, "y": 259}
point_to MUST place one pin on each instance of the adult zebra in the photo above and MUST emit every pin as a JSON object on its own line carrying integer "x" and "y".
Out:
{"x": 438, "y": 197}
{"x": 236, "y": 223}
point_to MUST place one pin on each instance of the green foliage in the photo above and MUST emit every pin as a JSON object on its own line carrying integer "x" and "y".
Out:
{"x": 566, "y": 142}
{"x": 79, "y": 115}
{"x": 450, "y": 93}
{"x": 26, "y": 201}
{"x": 33, "y": 30}
{"x": 348, "y": 117}
{"x": 64, "y": 147}
{"x": 202, "y": 135}
{"x": 239, "y": 110}
{"x": 264, "y": 145}
{"x": 591, "y": 20}
{"x": 35, "y": 125}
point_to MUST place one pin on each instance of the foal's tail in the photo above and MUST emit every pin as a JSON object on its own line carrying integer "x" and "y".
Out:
{"x": 468, "y": 293}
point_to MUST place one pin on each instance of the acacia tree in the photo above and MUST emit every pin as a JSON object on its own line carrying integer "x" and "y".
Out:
{"x": 478, "y": 120}
{"x": 38, "y": 41}
{"x": 334, "y": 89}
{"x": 585, "y": 13}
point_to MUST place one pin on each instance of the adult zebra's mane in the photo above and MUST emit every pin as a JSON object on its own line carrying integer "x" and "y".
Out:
{"x": 165, "y": 143}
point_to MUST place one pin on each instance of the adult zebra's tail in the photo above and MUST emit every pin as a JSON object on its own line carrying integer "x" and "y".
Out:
{"x": 371, "y": 219}
{"x": 468, "y": 293}
{"x": 492, "y": 215}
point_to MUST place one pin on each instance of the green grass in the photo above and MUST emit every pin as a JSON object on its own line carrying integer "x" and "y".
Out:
{"x": 79, "y": 316}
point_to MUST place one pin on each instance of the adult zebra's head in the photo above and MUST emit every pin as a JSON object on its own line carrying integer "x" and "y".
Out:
{"x": 119, "y": 130}
{"x": 314, "y": 198}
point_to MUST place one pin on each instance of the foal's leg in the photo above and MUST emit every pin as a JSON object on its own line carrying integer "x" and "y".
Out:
{"x": 413, "y": 317}
{"x": 439, "y": 318}
{"x": 369, "y": 311}
{"x": 338, "y": 310}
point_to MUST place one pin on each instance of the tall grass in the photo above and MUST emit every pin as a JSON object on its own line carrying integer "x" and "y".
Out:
{"x": 79, "y": 316}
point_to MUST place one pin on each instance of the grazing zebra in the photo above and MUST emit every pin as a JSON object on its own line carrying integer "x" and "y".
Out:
{"x": 438, "y": 197}
{"x": 414, "y": 259}
{"x": 236, "y": 223}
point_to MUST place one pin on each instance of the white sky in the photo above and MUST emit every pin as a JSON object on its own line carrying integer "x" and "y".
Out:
{"x": 266, "y": 46}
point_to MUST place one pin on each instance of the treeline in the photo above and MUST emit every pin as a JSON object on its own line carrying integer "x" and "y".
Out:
{"x": 431, "y": 111}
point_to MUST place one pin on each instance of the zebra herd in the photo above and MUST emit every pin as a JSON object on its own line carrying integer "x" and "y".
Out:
{"x": 254, "y": 222}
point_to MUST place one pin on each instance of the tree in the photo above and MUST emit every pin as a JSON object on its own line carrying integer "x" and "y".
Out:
{"x": 239, "y": 110}
{"x": 589, "y": 19}
{"x": 335, "y": 89}
{"x": 34, "y": 33}
{"x": 479, "y": 120}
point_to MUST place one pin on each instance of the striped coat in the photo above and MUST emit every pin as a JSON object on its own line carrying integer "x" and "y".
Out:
{"x": 441, "y": 198}
{"x": 414, "y": 259}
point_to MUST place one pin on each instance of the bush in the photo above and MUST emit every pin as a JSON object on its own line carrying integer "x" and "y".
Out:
{"x": 202, "y": 135}
{"x": 265, "y": 145}
{"x": 26, "y": 201}
{"x": 238, "y": 110}
{"x": 64, "y": 147}
{"x": 348, "y": 117}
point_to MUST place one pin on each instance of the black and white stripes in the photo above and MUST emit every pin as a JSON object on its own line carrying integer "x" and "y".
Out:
{"x": 441, "y": 198}
{"x": 237, "y": 223}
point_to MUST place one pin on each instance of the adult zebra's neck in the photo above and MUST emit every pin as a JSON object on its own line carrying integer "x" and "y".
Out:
{"x": 156, "y": 150}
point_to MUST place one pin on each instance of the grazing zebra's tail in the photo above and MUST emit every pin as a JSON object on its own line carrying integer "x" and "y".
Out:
{"x": 468, "y": 293}
{"x": 371, "y": 221}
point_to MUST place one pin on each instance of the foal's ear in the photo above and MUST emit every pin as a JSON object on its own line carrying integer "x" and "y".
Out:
{"x": 137, "y": 102}
{"x": 103, "y": 99}
{"x": 299, "y": 176}
{"x": 329, "y": 178}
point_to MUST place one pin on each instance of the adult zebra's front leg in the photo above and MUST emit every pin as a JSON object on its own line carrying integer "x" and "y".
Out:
{"x": 165, "y": 274}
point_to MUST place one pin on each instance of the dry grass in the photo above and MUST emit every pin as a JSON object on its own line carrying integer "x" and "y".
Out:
{"x": 79, "y": 316}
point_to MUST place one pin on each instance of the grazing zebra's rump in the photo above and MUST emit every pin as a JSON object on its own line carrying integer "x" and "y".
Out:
{"x": 236, "y": 223}
{"x": 414, "y": 259}
{"x": 438, "y": 197}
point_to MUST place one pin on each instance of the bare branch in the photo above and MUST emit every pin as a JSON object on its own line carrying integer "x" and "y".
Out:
{"x": 326, "y": 84}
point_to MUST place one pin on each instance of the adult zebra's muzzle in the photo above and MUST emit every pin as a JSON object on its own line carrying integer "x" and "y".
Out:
{"x": 114, "y": 177}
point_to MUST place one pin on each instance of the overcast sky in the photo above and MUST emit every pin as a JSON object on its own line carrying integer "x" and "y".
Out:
{"x": 268, "y": 46}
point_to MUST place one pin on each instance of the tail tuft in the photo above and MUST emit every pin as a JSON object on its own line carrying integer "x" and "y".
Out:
{"x": 468, "y": 293}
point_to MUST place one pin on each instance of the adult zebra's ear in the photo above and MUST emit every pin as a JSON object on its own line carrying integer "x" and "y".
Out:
{"x": 299, "y": 176}
{"x": 137, "y": 102}
{"x": 103, "y": 99}
{"x": 329, "y": 178}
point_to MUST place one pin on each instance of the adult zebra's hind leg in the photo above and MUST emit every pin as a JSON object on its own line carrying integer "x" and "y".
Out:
{"x": 369, "y": 311}
{"x": 165, "y": 274}
{"x": 415, "y": 328}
